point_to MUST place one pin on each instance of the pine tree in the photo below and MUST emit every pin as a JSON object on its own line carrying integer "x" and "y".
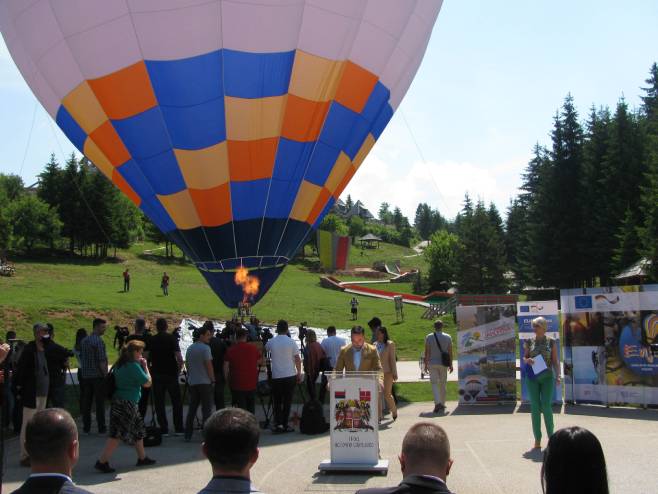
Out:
{"x": 628, "y": 243}
{"x": 348, "y": 202}
{"x": 50, "y": 183}
{"x": 516, "y": 239}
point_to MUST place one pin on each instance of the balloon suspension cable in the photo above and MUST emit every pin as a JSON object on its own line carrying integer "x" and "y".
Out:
{"x": 29, "y": 137}
{"x": 77, "y": 186}
{"x": 422, "y": 158}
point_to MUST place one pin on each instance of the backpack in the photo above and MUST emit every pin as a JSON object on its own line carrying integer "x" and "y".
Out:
{"x": 312, "y": 421}
{"x": 110, "y": 384}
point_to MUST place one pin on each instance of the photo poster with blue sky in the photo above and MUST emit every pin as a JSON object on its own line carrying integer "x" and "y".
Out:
{"x": 611, "y": 345}
{"x": 526, "y": 312}
{"x": 486, "y": 354}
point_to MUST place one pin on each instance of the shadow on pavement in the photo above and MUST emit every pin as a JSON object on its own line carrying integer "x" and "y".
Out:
{"x": 616, "y": 413}
{"x": 483, "y": 410}
{"x": 343, "y": 478}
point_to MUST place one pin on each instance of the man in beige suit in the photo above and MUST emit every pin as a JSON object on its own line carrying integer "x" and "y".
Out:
{"x": 358, "y": 355}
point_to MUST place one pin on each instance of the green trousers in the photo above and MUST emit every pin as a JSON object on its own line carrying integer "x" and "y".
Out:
{"x": 541, "y": 400}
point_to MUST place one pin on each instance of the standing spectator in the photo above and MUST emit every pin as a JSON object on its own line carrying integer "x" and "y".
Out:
{"x": 541, "y": 386}
{"x": 332, "y": 345}
{"x": 164, "y": 284}
{"x": 200, "y": 378}
{"x": 425, "y": 462}
{"x": 80, "y": 335}
{"x": 354, "y": 304}
{"x": 374, "y": 324}
{"x": 574, "y": 463}
{"x": 93, "y": 372}
{"x": 437, "y": 343}
{"x": 241, "y": 371}
{"x": 313, "y": 362}
{"x": 286, "y": 372}
{"x": 131, "y": 375}
{"x": 218, "y": 350}
{"x": 32, "y": 381}
{"x": 388, "y": 358}
{"x": 51, "y": 439}
{"x": 58, "y": 363}
{"x": 126, "y": 280}
{"x": 230, "y": 442}
{"x": 142, "y": 334}
{"x": 166, "y": 363}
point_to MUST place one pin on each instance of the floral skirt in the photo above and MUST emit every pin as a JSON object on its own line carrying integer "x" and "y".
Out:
{"x": 126, "y": 423}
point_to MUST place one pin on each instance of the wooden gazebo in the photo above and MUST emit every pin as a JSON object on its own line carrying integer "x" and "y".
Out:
{"x": 370, "y": 241}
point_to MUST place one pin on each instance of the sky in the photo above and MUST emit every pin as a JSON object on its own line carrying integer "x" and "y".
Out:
{"x": 493, "y": 76}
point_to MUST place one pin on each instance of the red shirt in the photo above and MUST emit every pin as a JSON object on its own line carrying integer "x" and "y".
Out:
{"x": 242, "y": 361}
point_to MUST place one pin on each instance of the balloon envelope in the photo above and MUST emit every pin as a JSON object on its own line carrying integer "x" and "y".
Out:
{"x": 234, "y": 125}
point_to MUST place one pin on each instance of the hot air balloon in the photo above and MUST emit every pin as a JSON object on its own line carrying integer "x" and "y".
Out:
{"x": 234, "y": 125}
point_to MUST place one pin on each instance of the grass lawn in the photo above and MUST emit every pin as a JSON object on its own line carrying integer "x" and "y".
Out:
{"x": 71, "y": 292}
{"x": 389, "y": 253}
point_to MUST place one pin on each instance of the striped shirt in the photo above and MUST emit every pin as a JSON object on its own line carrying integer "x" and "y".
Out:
{"x": 92, "y": 357}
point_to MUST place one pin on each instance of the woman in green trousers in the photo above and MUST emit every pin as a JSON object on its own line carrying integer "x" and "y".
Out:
{"x": 542, "y": 385}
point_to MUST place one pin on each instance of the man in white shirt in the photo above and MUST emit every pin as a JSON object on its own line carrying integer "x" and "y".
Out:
{"x": 286, "y": 372}
{"x": 332, "y": 345}
{"x": 437, "y": 343}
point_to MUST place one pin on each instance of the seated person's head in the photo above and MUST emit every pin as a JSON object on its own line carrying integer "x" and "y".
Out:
{"x": 374, "y": 323}
{"x": 574, "y": 462}
{"x": 331, "y": 331}
{"x": 426, "y": 451}
{"x": 51, "y": 440}
{"x": 282, "y": 327}
{"x": 230, "y": 441}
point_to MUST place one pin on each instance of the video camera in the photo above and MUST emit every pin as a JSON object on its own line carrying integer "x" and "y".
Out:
{"x": 303, "y": 331}
{"x": 265, "y": 335}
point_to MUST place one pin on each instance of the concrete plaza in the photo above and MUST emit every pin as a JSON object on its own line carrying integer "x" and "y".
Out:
{"x": 489, "y": 446}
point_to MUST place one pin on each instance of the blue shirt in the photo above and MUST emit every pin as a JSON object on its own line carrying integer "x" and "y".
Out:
{"x": 357, "y": 357}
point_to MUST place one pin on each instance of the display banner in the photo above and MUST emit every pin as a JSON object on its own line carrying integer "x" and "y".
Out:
{"x": 486, "y": 354}
{"x": 611, "y": 345}
{"x": 333, "y": 250}
{"x": 354, "y": 423}
{"x": 526, "y": 312}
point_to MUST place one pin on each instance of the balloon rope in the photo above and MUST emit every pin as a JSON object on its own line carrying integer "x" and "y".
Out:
{"x": 29, "y": 137}
{"x": 422, "y": 158}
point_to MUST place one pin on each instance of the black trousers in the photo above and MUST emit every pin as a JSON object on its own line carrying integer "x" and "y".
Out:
{"x": 282, "y": 392}
{"x": 244, "y": 399}
{"x": 167, "y": 384}
{"x": 199, "y": 394}
{"x": 219, "y": 394}
{"x": 92, "y": 389}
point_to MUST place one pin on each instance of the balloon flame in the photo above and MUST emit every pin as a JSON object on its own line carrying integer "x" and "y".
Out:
{"x": 249, "y": 283}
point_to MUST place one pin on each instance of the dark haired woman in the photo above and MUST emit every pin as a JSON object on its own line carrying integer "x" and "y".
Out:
{"x": 131, "y": 373}
{"x": 574, "y": 464}
{"x": 386, "y": 351}
{"x": 314, "y": 360}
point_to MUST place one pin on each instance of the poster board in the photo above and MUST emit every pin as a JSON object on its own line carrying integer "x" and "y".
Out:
{"x": 354, "y": 423}
{"x": 486, "y": 343}
{"x": 611, "y": 345}
{"x": 526, "y": 312}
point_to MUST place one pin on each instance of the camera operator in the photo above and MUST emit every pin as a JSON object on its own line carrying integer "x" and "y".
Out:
{"x": 241, "y": 364}
{"x": 32, "y": 381}
{"x": 142, "y": 334}
{"x": 286, "y": 372}
{"x": 120, "y": 335}
{"x": 57, "y": 358}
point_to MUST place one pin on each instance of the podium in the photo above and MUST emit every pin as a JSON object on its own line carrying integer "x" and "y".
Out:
{"x": 354, "y": 424}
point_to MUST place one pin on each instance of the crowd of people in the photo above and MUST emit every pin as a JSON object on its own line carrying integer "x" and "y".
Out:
{"x": 149, "y": 367}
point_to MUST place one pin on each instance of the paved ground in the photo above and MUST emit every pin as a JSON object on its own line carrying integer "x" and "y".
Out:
{"x": 489, "y": 446}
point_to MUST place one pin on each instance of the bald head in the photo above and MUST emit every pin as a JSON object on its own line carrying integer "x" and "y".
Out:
{"x": 426, "y": 450}
{"x": 49, "y": 436}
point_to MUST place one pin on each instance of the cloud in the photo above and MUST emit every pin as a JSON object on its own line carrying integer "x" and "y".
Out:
{"x": 442, "y": 185}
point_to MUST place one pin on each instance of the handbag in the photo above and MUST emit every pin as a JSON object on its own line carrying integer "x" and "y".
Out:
{"x": 446, "y": 361}
{"x": 153, "y": 432}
